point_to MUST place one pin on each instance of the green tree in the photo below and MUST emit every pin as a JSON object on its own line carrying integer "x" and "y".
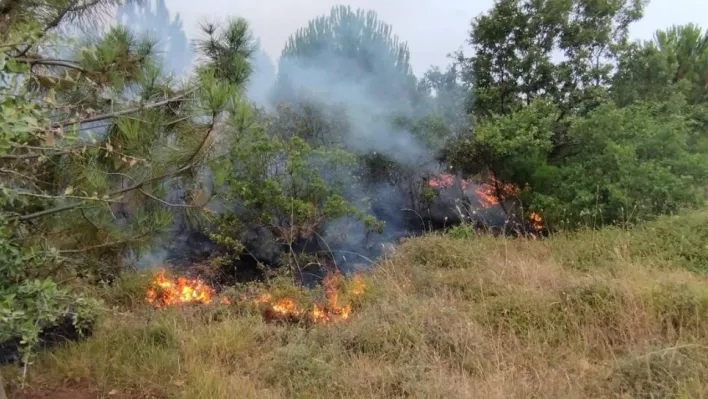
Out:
{"x": 354, "y": 46}
{"x": 632, "y": 163}
{"x": 537, "y": 65}
{"x": 516, "y": 47}
{"x": 90, "y": 145}
{"x": 675, "y": 61}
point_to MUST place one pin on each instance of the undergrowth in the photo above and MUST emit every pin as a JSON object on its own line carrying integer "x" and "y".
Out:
{"x": 610, "y": 313}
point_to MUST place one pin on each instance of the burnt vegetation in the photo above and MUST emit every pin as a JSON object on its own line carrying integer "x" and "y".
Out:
{"x": 528, "y": 221}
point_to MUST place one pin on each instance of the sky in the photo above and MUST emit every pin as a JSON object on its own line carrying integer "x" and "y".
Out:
{"x": 432, "y": 28}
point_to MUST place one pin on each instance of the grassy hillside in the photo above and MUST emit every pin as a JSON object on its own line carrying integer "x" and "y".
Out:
{"x": 591, "y": 314}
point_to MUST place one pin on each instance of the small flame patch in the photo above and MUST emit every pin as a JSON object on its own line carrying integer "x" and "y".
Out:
{"x": 172, "y": 291}
{"x": 536, "y": 221}
{"x": 165, "y": 291}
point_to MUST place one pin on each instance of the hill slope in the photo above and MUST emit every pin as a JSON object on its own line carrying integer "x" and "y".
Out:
{"x": 590, "y": 314}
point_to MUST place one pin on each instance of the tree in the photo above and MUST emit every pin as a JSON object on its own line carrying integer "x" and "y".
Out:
{"x": 88, "y": 149}
{"x": 676, "y": 60}
{"x": 633, "y": 163}
{"x": 345, "y": 80}
{"x": 348, "y": 45}
{"x": 550, "y": 127}
{"x": 516, "y": 42}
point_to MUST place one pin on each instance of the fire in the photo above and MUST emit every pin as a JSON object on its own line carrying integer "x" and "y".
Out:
{"x": 443, "y": 180}
{"x": 486, "y": 195}
{"x": 286, "y": 306}
{"x": 358, "y": 286}
{"x": 536, "y": 221}
{"x": 166, "y": 291}
{"x": 487, "y": 192}
{"x": 331, "y": 311}
{"x": 173, "y": 291}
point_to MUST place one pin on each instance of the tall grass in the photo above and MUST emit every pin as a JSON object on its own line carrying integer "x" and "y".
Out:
{"x": 611, "y": 313}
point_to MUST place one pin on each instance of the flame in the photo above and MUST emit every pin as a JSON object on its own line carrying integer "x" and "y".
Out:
{"x": 358, "y": 286}
{"x": 536, "y": 221}
{"x": 443, "y": 180}
{"x": 486, "y": 196}
{"x": 331, "y": 311}
{"x": 166, "y": 291}
{"x": 318, "y": 315}
{"x": 486, "y": 192}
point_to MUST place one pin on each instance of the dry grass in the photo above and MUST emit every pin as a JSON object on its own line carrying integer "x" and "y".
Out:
{"x": 592, "y": 314}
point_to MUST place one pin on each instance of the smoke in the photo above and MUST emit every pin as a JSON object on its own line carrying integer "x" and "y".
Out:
{"x": 374, "y": 100}
{"x": 371, "y": 99}
{"x": 372, "y": 96}
{"x": 262, "y": 78}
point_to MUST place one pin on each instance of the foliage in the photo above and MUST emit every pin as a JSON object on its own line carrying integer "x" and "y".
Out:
{"x": 612, "y": 132}
{"x": 282, "y": 184}
{"x": 675, "y": 61}
{"x": 30, "y": 302}
{"x": 352, "y": 45}
{"x": 630, "y": 163}
{"x": 92, "y": 149}
{"x": 513, "y": 62}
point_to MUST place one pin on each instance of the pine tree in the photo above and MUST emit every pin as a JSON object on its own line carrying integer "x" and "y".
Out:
{"x": 90, "y": 146}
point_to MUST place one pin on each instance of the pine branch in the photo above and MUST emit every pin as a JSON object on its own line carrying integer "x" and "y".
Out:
{"x": 136, "y": 186}
{"x": 204, "y": 140}
{"x": 51, "y": 25}
{"x": 50, "y": 62}
{"x": 31, "y": 155}
{"x": 47, "y": 196}
{"x": 104, "y": 245}
{"x": 165, "y": 202}
{"x": 110, "y": 115}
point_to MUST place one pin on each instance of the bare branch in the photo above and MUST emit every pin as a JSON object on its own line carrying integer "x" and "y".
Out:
{"x": 104, "y": 245}
{"x": 165, "y": 202}
{"x": 47, "y": 196}
{"x": 50, "y": 62}
{"x": 64, "y": 208}
{"x": 101, "y": 117}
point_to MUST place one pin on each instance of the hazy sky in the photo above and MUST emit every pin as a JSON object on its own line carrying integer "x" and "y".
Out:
{"x": 432, "y": 28}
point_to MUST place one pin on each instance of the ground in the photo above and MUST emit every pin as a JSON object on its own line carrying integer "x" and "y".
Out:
{"x": 612, "y": 313}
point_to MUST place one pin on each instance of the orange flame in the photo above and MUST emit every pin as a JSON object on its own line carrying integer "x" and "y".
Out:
{"x": 331, "y": 311}
{"x": 486, "y": 196}
{"x": 486, "y": 192}
{"x": 536, "y": 221}
{"x": 443, "y": 180}
{"x": 358, "y": 285}
{"x": 166, "y": 291}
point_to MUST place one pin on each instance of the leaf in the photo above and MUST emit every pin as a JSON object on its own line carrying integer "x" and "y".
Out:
{"x": 69, "y": 190}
